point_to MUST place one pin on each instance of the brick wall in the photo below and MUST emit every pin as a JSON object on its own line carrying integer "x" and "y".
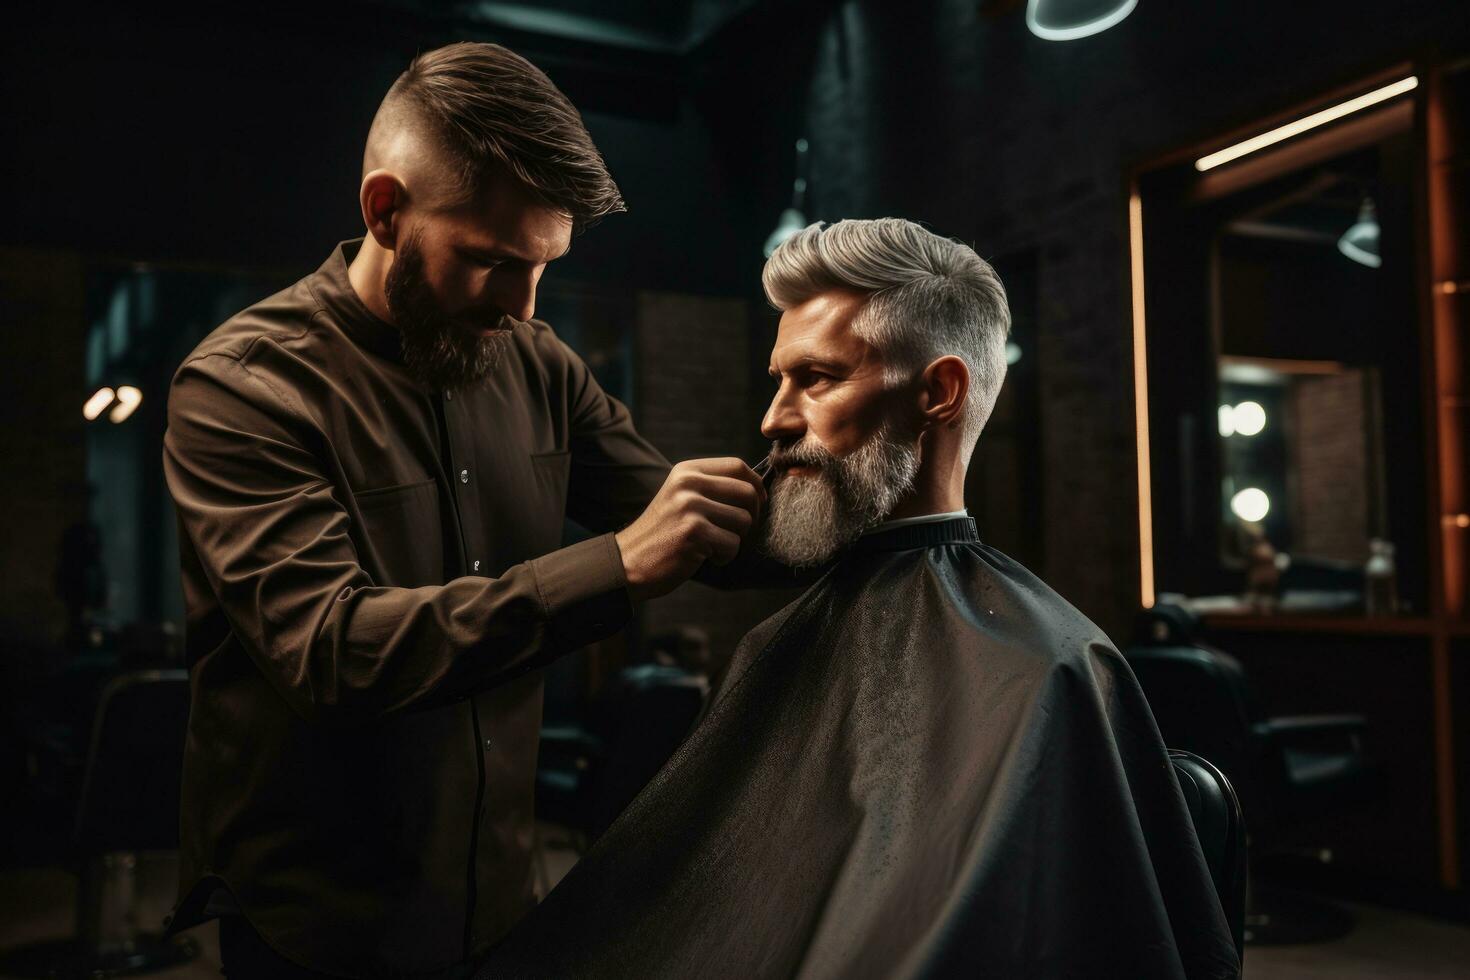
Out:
{"x": 1331, "y": 456}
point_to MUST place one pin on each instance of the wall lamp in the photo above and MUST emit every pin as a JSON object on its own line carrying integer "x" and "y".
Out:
{"x": 124, "y": 401}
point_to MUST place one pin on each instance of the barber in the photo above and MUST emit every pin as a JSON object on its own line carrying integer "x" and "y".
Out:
{"x": 371, "y": 471}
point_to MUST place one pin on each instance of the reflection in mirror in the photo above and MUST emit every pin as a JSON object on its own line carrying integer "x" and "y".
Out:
{"x": 1313, "y": 333}
{"x": 1301, "y": 445}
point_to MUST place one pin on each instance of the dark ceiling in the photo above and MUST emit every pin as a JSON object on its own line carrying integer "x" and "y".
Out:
{"x": 672, "y": 27}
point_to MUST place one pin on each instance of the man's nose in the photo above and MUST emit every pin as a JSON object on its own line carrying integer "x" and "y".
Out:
{"x": 514, "y": 294}
{"x": 783, "y": 420}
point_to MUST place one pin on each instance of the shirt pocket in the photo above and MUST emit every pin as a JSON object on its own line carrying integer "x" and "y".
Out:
{"x": 550, "y": 476}
{"x": 399, "y": 534}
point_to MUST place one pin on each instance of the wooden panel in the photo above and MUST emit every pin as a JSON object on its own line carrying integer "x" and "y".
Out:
{"x": 1459, "y": 663}
{"x": 1447, "y": 190}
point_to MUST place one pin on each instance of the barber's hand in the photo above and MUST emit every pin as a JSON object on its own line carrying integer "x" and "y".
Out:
{"x": 704, "y": 510}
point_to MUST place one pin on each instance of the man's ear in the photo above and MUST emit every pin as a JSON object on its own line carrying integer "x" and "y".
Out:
{"x": 382, "y": 197}
{"x": 942, "y": 392}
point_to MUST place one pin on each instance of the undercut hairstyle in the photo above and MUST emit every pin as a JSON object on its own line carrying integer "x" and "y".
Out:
{"x": 489, "y": 109}
{"x": 928, "y": 297}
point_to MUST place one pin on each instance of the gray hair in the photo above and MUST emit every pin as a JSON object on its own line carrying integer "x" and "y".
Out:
{"x": 929, "y": 297}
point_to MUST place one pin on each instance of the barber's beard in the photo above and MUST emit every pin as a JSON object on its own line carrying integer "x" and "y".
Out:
{"x": 814, "y": 514}
{"x": 440, "y": 351}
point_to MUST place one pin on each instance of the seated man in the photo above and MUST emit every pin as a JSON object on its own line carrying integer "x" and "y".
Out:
{"x": 929, "y": 764}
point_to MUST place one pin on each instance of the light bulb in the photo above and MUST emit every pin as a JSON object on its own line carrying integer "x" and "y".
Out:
{"x": 100, "y": 399}
{"x": 1251, "y": 504}
{"x": 128, "y": 399}
{"x": 1250, "y": 418}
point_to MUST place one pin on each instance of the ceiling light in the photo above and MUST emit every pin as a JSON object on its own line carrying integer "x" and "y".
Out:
{"x": 1305, "y": 123}
{"x": 128, "y": 398}
{"x": 100, "y": 399}
{"x": 1251, "y": 504}
{"x": 1360, "y": 242}
{"x": 1067, "y": 20}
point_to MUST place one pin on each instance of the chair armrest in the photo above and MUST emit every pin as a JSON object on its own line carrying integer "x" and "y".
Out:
{"x": 1286, "y": 730}
{"x": 566, "y": 733}
{"x": 570, "y": 739}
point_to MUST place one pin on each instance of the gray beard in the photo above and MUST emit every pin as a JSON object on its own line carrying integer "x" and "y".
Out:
{"x": 813, "y": 515}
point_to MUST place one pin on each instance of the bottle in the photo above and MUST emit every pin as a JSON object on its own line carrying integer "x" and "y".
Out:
{"x": 1262, "y": 574}
{"x": 1380, "y": 579}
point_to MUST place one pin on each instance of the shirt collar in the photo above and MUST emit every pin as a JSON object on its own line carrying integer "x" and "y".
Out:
{"x": 333, "y": 291}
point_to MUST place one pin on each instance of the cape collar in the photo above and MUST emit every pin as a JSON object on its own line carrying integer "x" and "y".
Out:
{"x": 957, "y": 530}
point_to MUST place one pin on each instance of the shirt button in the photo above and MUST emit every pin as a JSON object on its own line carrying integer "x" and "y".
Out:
{"x": 487, "y": 744}
{"x": 464, "y": 476}
{"x": 475, "y": 567}
{"x": 449, "y": 396}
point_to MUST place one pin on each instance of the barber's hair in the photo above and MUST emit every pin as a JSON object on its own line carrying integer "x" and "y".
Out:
{"x": 489, "y": 108}
{"x": 928, "y": 297}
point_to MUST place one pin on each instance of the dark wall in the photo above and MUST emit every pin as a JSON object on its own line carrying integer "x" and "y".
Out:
{"x": 232, "y": 135}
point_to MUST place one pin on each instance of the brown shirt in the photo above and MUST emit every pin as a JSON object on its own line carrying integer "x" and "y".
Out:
{"x": 372, "y": 575}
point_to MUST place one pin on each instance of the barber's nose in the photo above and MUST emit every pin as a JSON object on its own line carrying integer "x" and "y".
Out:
{"x": 783, "y": 420}
{"x": 515, "y": 294}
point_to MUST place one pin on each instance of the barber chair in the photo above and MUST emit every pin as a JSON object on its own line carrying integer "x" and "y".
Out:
{"x": 1285, "y": 769}
{"x": 1220, "y": 826}
{"x": 585, "y": 777}
{"x": 129, "y": 803}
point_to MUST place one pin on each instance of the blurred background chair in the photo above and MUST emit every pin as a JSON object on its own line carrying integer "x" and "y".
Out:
{"x": 129, "y": 803}
{"x": 586, "y": 776}
{"x": 1286, "y": 770}
{"x": 1220, "y": 826}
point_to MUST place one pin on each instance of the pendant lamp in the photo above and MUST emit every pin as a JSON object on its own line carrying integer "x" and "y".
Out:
{"x": 793, "y": 219}
{"x": 1067, "y": 20}
{"x": 1360, "y": 242}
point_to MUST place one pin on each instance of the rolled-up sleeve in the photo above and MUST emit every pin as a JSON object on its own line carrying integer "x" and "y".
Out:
{"x": 273, "y": 541}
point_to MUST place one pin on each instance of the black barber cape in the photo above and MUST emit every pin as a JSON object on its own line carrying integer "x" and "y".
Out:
{"x": 928, "y": 765}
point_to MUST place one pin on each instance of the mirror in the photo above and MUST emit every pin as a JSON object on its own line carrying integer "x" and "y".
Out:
{"x": 1287, "y": 378}
{"x": 1309, "y": 326}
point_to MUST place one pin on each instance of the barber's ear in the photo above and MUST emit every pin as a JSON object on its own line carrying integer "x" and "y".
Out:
{"x": 942, "y": 392}
{"x": 382, "y": 197}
